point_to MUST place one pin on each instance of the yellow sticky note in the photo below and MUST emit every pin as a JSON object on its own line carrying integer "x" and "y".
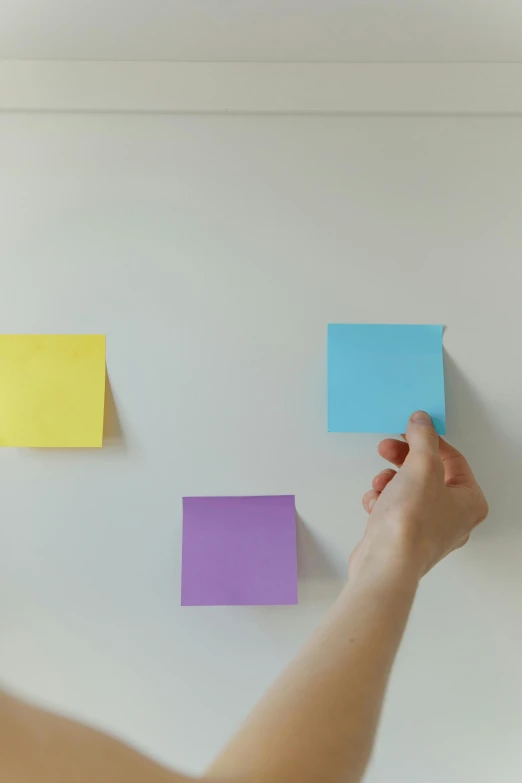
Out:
{"x": 52, "y": 389}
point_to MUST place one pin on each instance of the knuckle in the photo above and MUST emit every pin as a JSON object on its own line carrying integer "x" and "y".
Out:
{"x": 482, "y": 510}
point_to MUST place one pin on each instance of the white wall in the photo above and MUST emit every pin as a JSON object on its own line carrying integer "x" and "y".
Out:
{"x": 263, "y": 30}
{"x": 213, "y": 251}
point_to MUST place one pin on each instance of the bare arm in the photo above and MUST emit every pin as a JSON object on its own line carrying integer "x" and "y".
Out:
{"x": 39, "y": 747}
{"x": 318, "y": 721}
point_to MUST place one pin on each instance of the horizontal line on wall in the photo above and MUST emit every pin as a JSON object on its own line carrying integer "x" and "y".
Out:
{"x": 261, "y": 88}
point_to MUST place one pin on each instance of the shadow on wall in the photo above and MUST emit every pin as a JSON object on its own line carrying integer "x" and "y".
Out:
{"x": 494, "y": 456}
{"x": 316, "y": 569}
{"x": 321, "y": 579}
{"x": 112, "y": 430}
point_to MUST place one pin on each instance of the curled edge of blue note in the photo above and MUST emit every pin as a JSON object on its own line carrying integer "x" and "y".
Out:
{"x": 378, "y": 374}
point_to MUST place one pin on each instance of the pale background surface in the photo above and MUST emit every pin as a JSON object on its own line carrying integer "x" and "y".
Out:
{"x": 263, "y": 30}
{"x": 213, "y": 251}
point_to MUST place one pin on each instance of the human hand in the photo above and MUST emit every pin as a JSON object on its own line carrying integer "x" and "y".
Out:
{"x": 425, "y": 509}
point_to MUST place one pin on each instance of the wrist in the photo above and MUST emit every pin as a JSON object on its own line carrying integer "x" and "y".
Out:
{"x": 387, "y": 558}
{"x": 382, "y": 585}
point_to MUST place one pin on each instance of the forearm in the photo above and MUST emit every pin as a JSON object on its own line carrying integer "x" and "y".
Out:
{"x": 319, "y": 719}
{"x": 39, "y": 747}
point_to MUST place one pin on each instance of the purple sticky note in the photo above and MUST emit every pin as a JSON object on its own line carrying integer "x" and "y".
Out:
{"x": 239, "y": 551}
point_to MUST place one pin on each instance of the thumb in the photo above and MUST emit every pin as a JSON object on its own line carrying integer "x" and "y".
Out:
{"x": 421, "y": 435}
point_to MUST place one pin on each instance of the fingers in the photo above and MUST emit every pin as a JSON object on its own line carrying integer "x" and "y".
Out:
{"x": 369, "y": 499}
{"x": 421, "y": 436}
{"x": 378, "y": 484}
{"x": 395, "y": 451}
{"x": 456, "y": 469}
{"x": 383, "y": 478}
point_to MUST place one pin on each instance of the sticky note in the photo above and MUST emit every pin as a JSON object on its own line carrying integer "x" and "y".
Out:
{"x": 52, "y": 389}
{"x": 379, "y": 374}
{"x": 239, "y": 551}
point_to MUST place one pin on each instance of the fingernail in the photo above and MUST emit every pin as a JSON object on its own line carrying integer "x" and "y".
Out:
{"x": 371, "y": 503}
{"x": 421, "y": 417}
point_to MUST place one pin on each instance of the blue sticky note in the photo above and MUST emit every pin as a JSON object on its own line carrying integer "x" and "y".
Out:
{"x": 378, "y": 374}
